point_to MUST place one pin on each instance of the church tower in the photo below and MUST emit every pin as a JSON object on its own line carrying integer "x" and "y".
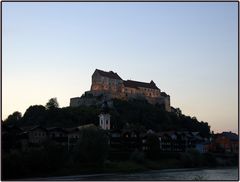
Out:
{"x": 104, "y": 117}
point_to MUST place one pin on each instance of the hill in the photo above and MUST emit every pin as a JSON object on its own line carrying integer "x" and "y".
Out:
{"x": 136, "y": 114}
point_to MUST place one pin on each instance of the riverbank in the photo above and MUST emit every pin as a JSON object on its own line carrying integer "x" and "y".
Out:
{"x": 34, "y": 164}
{"x": 165, "y": 174}
{"x": 117, "y": 170}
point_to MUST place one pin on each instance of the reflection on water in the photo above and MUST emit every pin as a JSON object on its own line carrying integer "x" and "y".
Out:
{"x": 180, "y": 174}
{"x": 171, "y": 174}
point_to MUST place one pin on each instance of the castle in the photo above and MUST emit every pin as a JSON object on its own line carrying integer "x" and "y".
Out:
{"x": 110, "y": 85}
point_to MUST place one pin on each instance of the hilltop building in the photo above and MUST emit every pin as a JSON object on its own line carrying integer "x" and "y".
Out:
{"x": 111, "y": 85}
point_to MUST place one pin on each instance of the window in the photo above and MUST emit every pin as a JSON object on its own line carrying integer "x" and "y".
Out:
{"x": 106, "y": 121}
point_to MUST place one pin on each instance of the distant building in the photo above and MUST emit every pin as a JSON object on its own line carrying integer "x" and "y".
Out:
{"x": 111, "y": 85}
{"x": 37, "y": 135}
{"x": 225, "y": 142}
{"x": 176, "y": 141}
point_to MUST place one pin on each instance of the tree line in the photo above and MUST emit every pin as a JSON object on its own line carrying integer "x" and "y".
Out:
{"x": 133, "y": 113}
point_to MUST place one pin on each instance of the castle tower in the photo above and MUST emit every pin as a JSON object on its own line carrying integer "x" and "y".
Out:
{"x": 104, "y": 117}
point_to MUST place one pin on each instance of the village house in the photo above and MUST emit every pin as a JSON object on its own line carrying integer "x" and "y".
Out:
{"x": 58, "y": 135}
{"x": 225, "y": 142}
{"x": 37, "y": 135}
{"x": 175, "y": 141}
{"x": 125, "y": 140}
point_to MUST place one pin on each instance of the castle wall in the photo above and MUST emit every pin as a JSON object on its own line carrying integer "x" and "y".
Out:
{"x": 74, "y": 102}
{"x": 167, "y": 104}
{"x": 149, "y": 92}
{"x": 77, "y": 101}
{"x": 110, "y": 87}
{"x": 105, "y": 84}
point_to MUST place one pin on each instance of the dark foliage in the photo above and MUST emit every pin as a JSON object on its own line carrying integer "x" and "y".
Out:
{"x": 52, "y": 103}
{"x": 33, "y": 162}
{"x": 153, "y": 146}
{"x": 14, "y": 118}
{"x": 154, "y": 117}
{"x": 34, "y": 113}
{"x": 137, "y": 113}
{"x": 92, "y": 147}
{"x": 51, "y": 158}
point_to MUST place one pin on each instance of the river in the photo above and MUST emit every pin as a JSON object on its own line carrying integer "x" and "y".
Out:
{"x": 166, "y": 174}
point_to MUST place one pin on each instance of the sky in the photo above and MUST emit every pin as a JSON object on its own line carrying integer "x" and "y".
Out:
{"x": 189, "y": 50}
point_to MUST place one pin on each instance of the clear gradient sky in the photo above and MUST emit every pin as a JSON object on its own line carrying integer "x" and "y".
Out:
{"x": 188, "y": 49}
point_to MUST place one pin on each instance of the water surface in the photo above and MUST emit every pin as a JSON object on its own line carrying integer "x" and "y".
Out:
{"x": 167, "y": 174}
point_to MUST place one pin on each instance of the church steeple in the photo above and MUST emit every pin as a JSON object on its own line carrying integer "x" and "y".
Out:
{"x": 104, "y": 117}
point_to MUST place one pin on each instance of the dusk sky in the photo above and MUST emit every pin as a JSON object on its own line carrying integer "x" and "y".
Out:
{"x": 188, "y": 49}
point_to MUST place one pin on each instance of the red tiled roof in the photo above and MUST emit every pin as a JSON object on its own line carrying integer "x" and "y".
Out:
{"x": 109, "y": 74}
{"x": 135, "y": 84}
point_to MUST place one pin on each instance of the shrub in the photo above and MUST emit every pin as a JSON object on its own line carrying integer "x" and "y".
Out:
{"x": 92, "y": 147}
{"x": 137, "y": 156}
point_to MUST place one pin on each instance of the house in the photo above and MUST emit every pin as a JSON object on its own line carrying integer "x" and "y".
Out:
{"x": 225, "y": 142}
{"x": 73, "y": 135}
{"x": 37, "y": 135}
{"x": 58, "y": 135}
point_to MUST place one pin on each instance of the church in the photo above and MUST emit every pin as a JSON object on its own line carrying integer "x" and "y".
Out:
{"x": 111, "y": 85}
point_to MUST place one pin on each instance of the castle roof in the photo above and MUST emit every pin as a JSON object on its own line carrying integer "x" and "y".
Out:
{"x": 136, "y": 84}
{"x": 109, "y": 74}
{"x": 164, "y": 94}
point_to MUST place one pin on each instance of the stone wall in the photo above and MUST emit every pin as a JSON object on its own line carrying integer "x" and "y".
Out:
{"x": 114, "y": 88}
{"x": 105, "y": 84}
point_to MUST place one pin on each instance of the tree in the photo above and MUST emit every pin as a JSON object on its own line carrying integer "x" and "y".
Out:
{"x": 92, "y": 147}
{"x": 34, "y": 111}
{"x": 34, "y": 115}
{"x": 14, "y": 117}
{"x": 52, "y": 103}
{"x": 153, "y": 146}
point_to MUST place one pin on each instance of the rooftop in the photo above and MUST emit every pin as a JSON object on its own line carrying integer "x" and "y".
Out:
{"x": 109, "y": 74}
{"x": 136, "y": 84}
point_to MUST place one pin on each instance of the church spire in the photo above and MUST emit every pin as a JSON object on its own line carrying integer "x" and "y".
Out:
{"x": 104, "y": 117}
